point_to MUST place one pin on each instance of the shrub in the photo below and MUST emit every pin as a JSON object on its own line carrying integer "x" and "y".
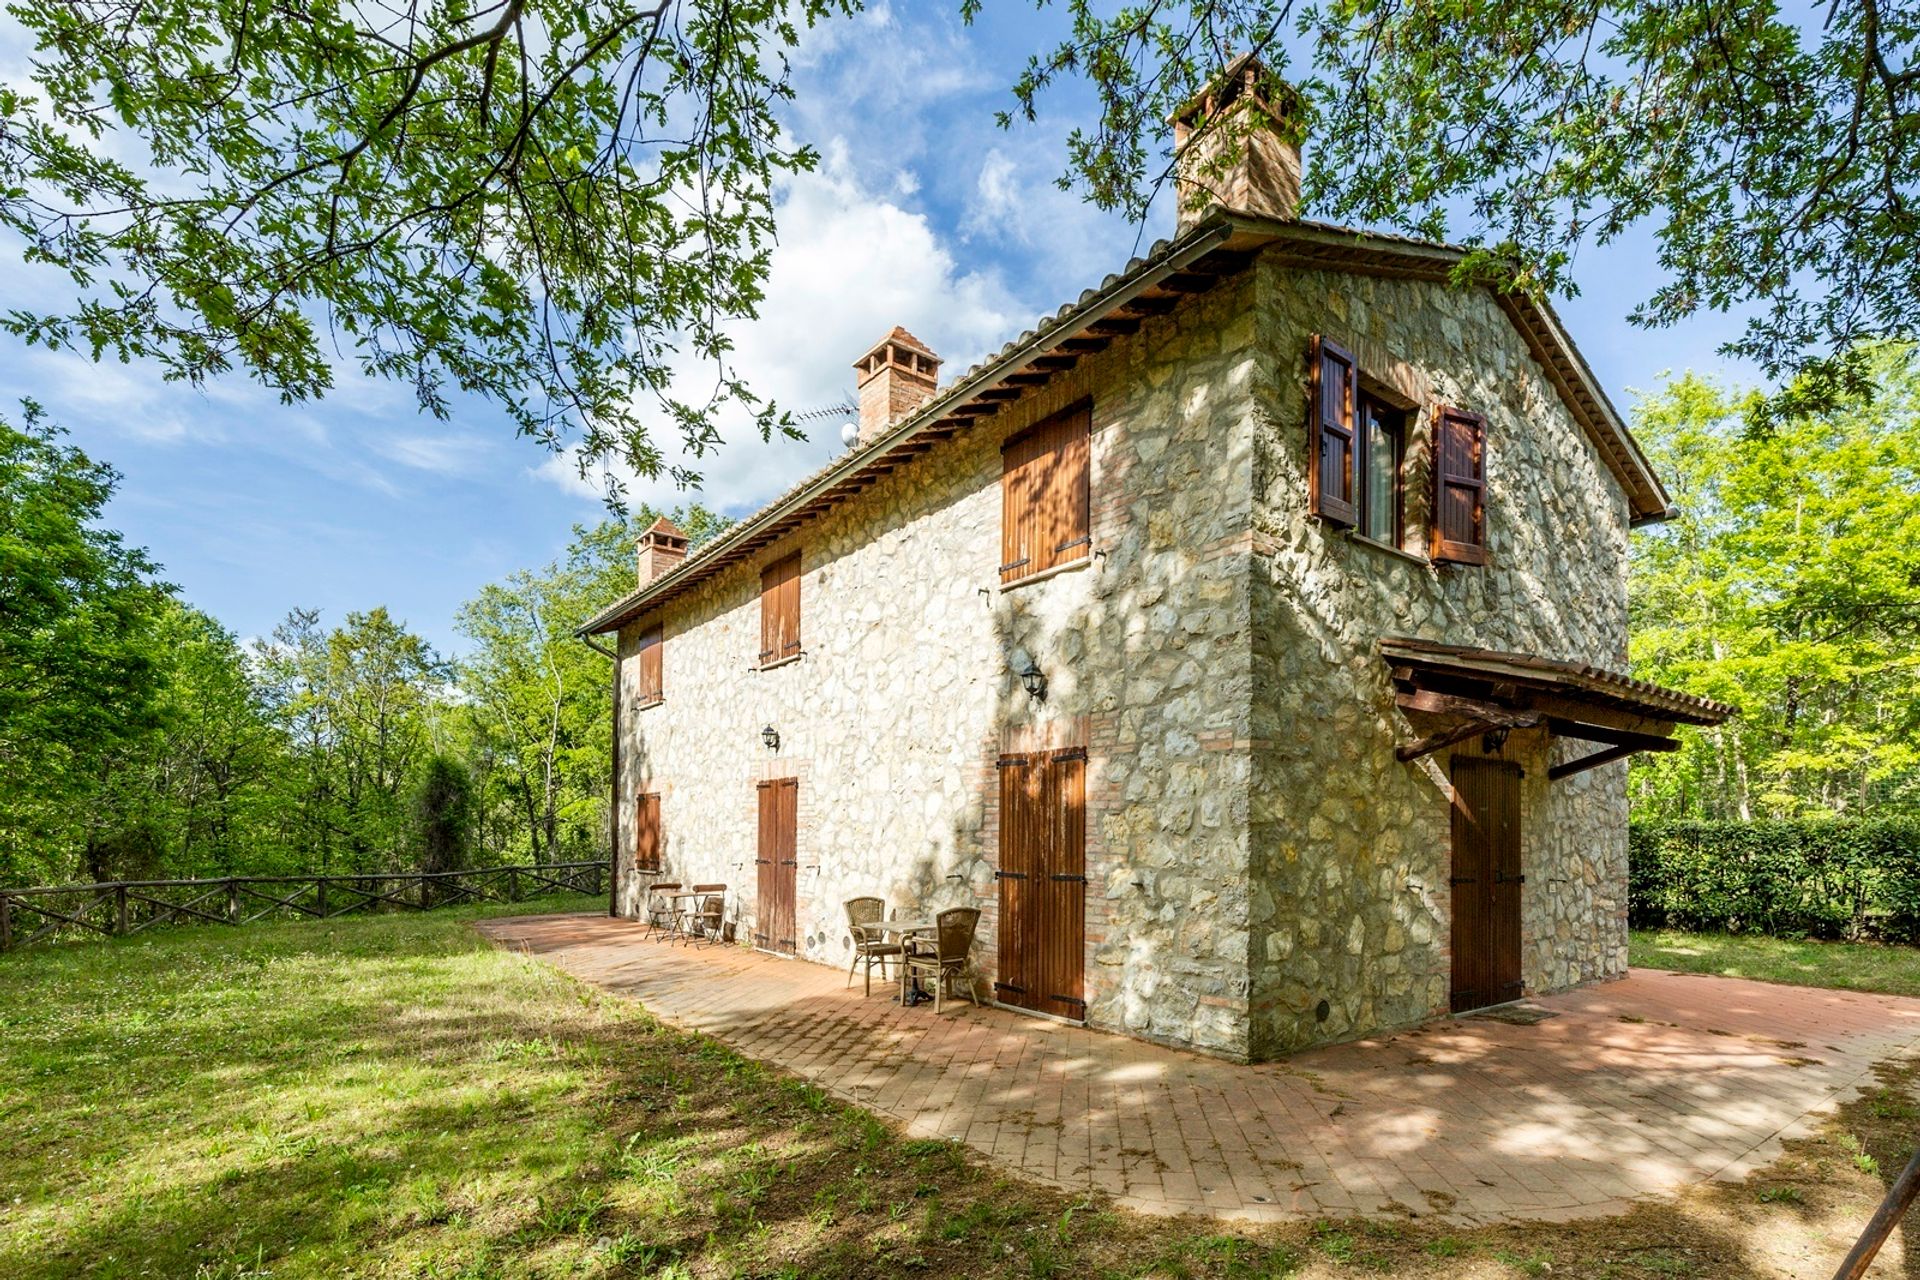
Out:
{"x": 1828, "y": 878}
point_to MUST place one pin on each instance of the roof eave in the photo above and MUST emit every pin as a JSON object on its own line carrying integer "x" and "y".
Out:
{"x": 1210, "y": 234}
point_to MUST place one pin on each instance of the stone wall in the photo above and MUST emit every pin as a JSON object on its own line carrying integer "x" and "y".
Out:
{"x": 906, "y": 695}
{"x": 1254, "y": 849}
{"x": 1350, "y": 847}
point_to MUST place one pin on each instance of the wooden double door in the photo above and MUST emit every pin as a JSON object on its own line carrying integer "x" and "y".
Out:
{"x": 778, "y": 867}
{"x": 1043, "y": 882}
{"x": 1487, "y": 883}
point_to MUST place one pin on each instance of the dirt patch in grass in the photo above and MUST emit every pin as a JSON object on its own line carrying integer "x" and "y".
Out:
{"x": 395, "y": 1098}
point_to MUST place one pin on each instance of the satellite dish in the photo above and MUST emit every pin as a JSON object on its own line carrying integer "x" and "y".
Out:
{"x": 849, "y": 433}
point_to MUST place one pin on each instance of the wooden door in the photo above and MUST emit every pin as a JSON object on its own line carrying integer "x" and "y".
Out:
{"x": 646, "y": 833}
{"x": 1487, "y": 882}
{"x": 1043, "y": 882}
{"x": 778, "y": 868}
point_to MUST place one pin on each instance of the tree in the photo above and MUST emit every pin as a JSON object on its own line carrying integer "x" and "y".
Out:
{"x": 78, "y": 676}
{"x": 443, "y": 814}
{"x": 356, "y": 704}
{"x": 1776, "y": 162}
{"x": 537, "y": 707}
{"x": 537, "y": 201}
{"x": 1788, "y": 585}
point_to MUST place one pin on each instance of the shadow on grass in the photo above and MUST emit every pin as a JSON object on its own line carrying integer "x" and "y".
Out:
{"x": 395, "y": 1096}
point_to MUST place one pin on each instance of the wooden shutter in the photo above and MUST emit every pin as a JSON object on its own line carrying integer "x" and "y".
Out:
{"x": 1459, "y": 486}
{"x": 1330, "y": 432}
{"x": 652, "y": 688}
{"x": 1063, "y": 919}
{"x": 780, "y": 610}
{"x": 646, "y": 833}
{"x": 765, "y": 862}
{"x": 1046, "y": 495}
{"x": 1021, "y": 845}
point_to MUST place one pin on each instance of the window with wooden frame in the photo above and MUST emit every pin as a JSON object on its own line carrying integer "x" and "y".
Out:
{"x": 1459, "y": 486}
{"x": 1379, "y": 453}
{"x": 646, "y": 832}
{"x": 1046, "y": 495}
{"x": 780, "y": 610}
{"x": 653, "y": 689}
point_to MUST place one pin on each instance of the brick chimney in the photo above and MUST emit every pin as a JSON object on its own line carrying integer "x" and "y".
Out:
{"x": 661, "y": 547}
{"x": 895, "y": 378}
{"x": 1244, "y": 106}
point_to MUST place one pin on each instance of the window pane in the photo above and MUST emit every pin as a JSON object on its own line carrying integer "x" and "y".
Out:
{"x": 1380, "y": 483}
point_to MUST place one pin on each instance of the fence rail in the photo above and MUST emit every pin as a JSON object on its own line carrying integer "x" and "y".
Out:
{"x": 123, "y": 907}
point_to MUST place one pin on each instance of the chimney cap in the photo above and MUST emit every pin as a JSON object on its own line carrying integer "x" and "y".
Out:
{"x": 1244, "y": 77}
{"x": 899, "y": 338}
{"x": 663, "y": 530}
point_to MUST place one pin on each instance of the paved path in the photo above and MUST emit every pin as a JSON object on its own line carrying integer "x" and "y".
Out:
{"x": 1629, "y": 1089}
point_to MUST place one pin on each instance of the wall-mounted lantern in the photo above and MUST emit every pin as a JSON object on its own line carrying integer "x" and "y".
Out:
{"x": 1034, "y": 681}
{"x": 770, "y": 736}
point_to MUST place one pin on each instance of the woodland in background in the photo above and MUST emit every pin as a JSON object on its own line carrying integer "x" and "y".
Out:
{"x": 140, "y": 740}
{"x": 1789, "y": 586}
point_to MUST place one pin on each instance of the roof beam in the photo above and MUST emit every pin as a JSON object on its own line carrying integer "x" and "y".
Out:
{"x": 1584, "y": 763}
{"x": 1460, "y": 733}
{"x": 1607, "y": 733}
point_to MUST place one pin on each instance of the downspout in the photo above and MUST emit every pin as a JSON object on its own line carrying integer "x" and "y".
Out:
{"x": 613, "y": 785}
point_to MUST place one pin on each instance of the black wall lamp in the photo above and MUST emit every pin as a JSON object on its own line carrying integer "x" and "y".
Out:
{"x": 1034, "y": 681}
{"x": 770, "y": 736}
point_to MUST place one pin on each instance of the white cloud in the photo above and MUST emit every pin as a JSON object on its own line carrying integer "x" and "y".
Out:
{"x": 850, "y": 265}
{"x": 999, "y": 201}
{"x": 451, "y": 453}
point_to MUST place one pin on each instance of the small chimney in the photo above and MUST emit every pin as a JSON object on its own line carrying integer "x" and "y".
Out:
{"x": 661, "y": 547}
{"x": 895, "y": 378}
{"x": 1246, "y": 108}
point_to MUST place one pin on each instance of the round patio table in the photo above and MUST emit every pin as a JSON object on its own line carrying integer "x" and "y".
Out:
{"x": 906, "y": 929}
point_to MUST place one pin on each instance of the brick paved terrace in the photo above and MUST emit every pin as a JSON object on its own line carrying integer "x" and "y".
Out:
{"x": 1578, "y": 1105}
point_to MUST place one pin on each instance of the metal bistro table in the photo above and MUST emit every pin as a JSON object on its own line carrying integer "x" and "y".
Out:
{"x": 906, "y": 929}
{"x": 679, "y": 917}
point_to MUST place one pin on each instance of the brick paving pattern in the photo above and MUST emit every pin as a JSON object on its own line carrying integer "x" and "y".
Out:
{"x": 1626, "y": 1090}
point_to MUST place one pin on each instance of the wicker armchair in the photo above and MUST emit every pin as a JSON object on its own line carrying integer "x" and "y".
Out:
{"x": 870, "y": 945}
{"x": 659, "y": 908}
{"x": 948, "y": 956}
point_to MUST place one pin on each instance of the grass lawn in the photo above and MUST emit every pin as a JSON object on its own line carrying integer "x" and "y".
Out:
{"x": 393, "y": 1097}
{"x": 1850, "y": 966}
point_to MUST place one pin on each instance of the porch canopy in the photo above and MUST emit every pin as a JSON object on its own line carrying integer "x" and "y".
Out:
{"x": 1463, "y": 691}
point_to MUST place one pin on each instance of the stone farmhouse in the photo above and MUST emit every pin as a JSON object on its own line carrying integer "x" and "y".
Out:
{"x": 1243, "y": 640}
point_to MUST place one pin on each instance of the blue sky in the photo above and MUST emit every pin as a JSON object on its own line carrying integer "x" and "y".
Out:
{"x": 922, "y": 213}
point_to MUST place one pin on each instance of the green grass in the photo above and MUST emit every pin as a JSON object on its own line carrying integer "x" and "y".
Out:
{"x": 1849, "y": 966}
{"x": 393, "y": 1097}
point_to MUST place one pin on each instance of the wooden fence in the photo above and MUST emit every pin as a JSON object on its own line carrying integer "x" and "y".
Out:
{"x": 129, "y": 906}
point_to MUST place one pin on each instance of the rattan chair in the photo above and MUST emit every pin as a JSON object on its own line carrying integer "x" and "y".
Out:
{"x": 947, "y": 958}
{"x": 659, "y": 907}
{"x": 706, "y": 920}
{"x": 869, "y": 943}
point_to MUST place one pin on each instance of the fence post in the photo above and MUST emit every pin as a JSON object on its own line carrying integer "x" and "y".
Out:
{"x": 320, "y": 884}
{"x": 6, "y": 922}
{"x": 233, "y": 900}
{"x": 120, "y": 909}
{"x": 513, "y": 884}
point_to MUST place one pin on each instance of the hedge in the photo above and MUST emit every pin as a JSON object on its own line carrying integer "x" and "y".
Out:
{"x": 1823, "y": 879}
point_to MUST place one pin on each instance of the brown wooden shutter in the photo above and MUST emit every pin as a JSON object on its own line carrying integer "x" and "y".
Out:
{"x": 780, "y": 609}
{"x": 1046, "y": 495}
{"x": 1064, "y": 920}
{"x": 646, "y": 833}
{"x": 1330, "y": 432}
{"x": 652, "y": 687}
{"x": 1459, "y": 486}
{"x": 1021, "y": 843}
